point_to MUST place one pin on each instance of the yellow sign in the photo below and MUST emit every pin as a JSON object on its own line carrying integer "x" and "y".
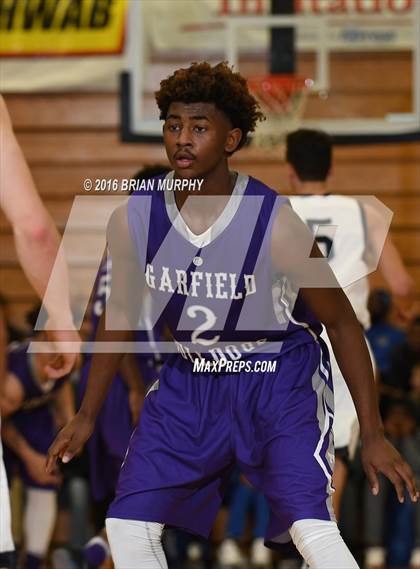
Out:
{"x": 61, "y": 27}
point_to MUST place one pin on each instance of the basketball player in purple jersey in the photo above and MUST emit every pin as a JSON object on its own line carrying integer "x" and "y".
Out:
{"x": 120, "y": 412}
{"x": 226, "y": 279}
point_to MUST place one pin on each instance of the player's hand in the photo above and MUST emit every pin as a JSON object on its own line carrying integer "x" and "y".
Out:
{"x": 135, "y": 402}
{"x": 62, "y": 363}
{"x": 35, "y": 465}
{"x": 378, "y": 455}
{"x": 69, "y": 441}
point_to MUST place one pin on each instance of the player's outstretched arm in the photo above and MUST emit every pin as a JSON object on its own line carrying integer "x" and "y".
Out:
{"x": 390, "y": 264}
{"x": 292, "y": 245}
{"x": 37, "y": 244}
{"x": 118, "y": 320}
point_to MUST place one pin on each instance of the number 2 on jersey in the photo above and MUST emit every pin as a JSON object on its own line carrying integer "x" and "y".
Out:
{"x": 210, "y": 320}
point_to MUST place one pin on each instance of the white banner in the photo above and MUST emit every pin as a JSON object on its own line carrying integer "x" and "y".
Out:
{"x": 352, "y": 24}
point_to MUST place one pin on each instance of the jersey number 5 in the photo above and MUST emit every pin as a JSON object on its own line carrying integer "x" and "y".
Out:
{"x": 325, "y": 243}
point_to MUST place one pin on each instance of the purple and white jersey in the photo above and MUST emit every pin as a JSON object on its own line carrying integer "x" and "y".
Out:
{"x": 219, "y": 292}
{"x": 147, "y": 361}
{"x": 101, "y": 294}
{"x": 113, "y": 427}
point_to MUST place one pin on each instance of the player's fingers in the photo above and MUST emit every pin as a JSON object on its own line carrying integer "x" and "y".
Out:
{"x": 50, "y": 462}
{"x": 407, "y": 475}
{"x": 71, "y": 450}
{"x": 373, "y": 479}
{"x": 396, "y": 480}
{"x": 56, "y": 450}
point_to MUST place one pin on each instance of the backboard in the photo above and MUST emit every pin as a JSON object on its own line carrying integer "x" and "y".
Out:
{"x": 362, "y": 58}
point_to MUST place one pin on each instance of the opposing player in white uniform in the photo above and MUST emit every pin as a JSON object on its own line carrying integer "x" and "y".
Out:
{"x": 351, "y": 233}
{"x": 37, "y": 246}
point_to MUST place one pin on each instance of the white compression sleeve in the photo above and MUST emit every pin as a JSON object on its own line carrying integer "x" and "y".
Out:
{"x": 321, "y": 545}
{"x": 39, "y": 520}
{"x": 136, "y": 544}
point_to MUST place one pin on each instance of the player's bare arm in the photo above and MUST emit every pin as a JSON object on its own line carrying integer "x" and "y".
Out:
{"x": 331, "y": 306}
{"x": 120, "y": 310}
{"x": 391, "y": 264}
{"x": 37, "y": 244}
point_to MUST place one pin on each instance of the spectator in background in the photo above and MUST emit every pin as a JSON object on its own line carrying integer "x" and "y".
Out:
{"x": 74, "y": 518}
{"x": 415, "y": 390}
{"x": 404, "y": 359}
{"x": 383, "y": 336}
{"x": 243, "y": 499}
{"x": 400, "y": 380}
{"x": 34, "y": 408}
{"x": 14, "y": 334}
{"x": 392, "y": 530}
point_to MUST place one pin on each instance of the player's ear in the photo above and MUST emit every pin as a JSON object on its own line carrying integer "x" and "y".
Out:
{"x": 292, "y": 177}
{"x": 330, "y": 172}
{"x": 233, "y": 139}
{"x": 290, "y": 171}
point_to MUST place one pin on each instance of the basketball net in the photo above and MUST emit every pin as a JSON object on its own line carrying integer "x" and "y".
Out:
{"x": 282, "y": 98}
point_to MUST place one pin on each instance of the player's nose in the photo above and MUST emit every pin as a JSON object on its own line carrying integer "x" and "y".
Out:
{"x": 184, "y": 138}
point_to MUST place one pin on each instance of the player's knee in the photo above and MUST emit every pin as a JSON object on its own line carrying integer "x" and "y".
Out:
{"x": 148, "y": 535}
{"x": 304, "y": 532}
{"x": 321, "y": 545}
{"x": 135, "y": 544}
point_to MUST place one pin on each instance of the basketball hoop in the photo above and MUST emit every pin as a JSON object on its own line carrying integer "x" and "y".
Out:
{"x": 282, "y": 99}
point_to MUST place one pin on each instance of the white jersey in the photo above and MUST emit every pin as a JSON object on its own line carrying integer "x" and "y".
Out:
{"x": 339, "y": 226}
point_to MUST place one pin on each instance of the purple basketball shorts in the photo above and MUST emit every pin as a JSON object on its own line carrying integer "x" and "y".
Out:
{"x": 196, "y": 426}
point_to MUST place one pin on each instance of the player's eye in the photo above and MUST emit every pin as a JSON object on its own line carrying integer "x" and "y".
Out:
{"x": 199, "y": 128}
{"x": 173, "y": 127}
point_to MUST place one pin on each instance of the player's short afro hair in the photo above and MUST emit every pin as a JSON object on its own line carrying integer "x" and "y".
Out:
{"x": 202, "y": 83}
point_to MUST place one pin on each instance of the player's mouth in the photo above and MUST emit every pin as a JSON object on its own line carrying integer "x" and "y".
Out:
{"x": 184, "y": 159}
